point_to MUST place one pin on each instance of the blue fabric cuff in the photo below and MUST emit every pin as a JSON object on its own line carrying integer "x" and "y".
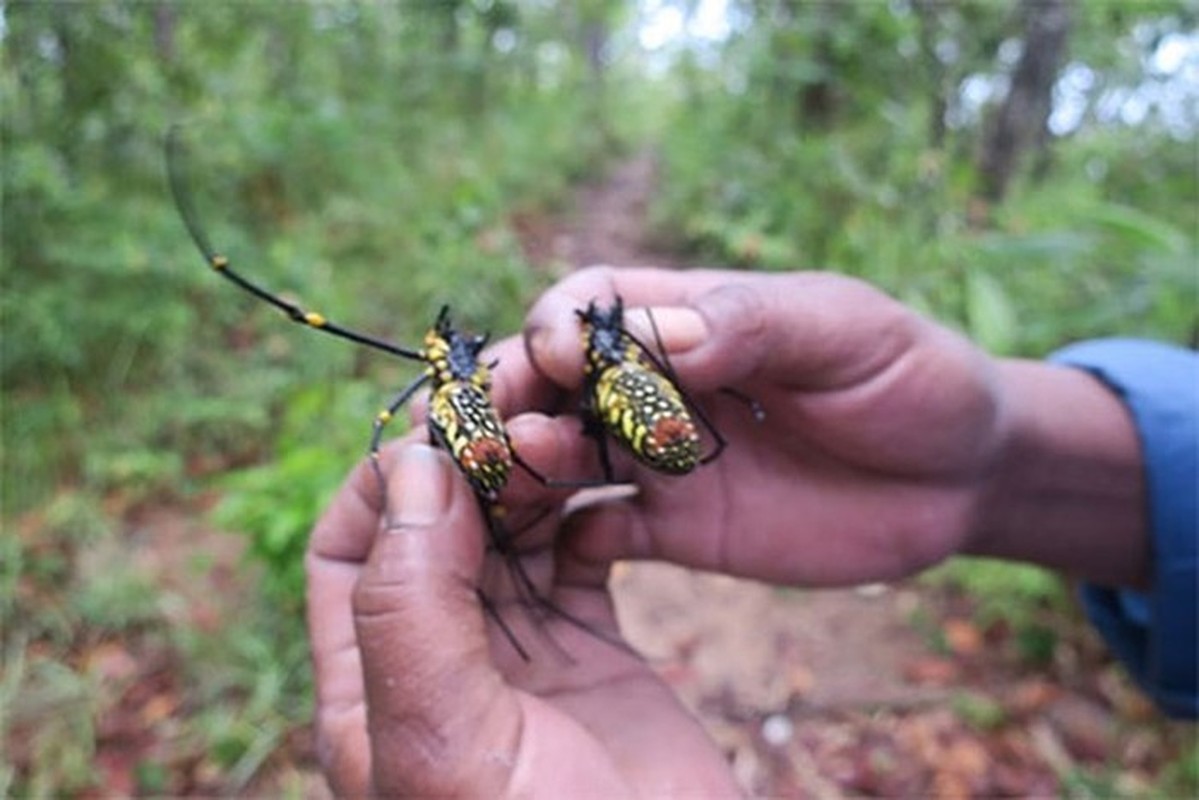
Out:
{"x": 1156, "y": 633}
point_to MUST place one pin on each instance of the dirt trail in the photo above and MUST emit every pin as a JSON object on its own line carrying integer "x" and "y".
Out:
{"x": 611, "y": 227}
{"x": 607, "y": 224}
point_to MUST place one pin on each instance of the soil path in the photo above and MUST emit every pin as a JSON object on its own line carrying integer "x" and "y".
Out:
{"x": 607, "y": 224}
{"x": 611, "y": 219}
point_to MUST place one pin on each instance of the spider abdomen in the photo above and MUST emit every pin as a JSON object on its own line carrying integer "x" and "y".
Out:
{"x": 462, "y": 417}
{"x": 645, "y": 412}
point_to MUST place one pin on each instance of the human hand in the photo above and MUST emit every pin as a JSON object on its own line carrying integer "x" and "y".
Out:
{"x": 887, "y": 439}
{"x": 881, "y": 426}
{"x": 419, "y": 692}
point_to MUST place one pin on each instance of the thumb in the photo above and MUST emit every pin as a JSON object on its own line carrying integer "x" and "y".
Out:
{"x": 802, "y": 330}
{"x": 434, "y": 701}
{"x": 813, "y": 331}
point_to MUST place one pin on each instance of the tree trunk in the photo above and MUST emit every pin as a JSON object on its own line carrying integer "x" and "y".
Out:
{"x": 927, "y": 12}
{"x": 817, "y": 98}
{"x": 1024, "y": 114}
{"x": 164, "y": 33}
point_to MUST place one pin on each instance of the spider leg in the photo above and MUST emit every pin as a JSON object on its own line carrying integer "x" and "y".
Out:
{"x": 667, "y": 369}
{"x": 527, "y": 591}
{"x": 664, "y": 366}
{"x": 381, "y": 421}
{"x": 493, "y": 611}
{"x": 593, "y": 428}
{"x": 220, "y": 263}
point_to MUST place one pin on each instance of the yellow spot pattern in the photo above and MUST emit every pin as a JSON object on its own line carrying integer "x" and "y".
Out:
{"x": 464, "y": 418}
{"x": 632, "y": 400}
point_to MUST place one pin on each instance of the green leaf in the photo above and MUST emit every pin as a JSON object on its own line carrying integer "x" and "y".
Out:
{"x": 1138, "y": 229}
{"x": 989, "y": 313}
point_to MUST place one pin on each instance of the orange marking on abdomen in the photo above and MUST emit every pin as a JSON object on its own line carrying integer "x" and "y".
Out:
{"x": 672, "y": 430}
{"x": 486, "y": 453}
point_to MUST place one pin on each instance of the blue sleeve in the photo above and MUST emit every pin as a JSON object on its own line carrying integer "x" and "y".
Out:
{"x": 1156, "y": 633}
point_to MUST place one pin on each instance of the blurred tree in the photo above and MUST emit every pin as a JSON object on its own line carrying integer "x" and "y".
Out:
{"x": 1021, "y": 122}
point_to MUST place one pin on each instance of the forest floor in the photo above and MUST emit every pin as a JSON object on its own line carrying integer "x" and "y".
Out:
{"x": 879, "y": 690}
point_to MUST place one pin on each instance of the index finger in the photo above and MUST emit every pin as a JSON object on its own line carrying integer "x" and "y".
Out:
{"x": 551, "y": 328}
{"x": 516, "y": 385}
{"x": 810, "y": 330}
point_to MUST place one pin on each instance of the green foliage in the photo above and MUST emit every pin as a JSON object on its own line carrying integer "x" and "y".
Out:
{"x": 51, "y": 601}
{"x": 1012, "y": 592}
{"x": 1061, "y": 263}
{"x": 251, "y": 684}
{"x": 1018, "y": 595}
{"x": 797, "y": 148}
{"x": 336, "y": 152}
{"x": 366, "y": 158}
{"x": 325, "y": 431}
{"x": 55, "y": 706}
{"x": 1180, "y": 778}
{"x": 990, "y": 317}
{"x": 979, "y": 711}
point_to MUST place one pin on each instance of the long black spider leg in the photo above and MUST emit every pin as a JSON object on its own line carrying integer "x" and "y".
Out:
{"x": 220, "y": 263}
{"x": 489, "y": 606}
{"x": 381, "y": 421}
{"x": 555, "y": 483}
{"x": 526, "y": 592}
{"x": 663, "y": 365}
{"x": 493, "y": 611}
{"x": 754, "y": 406}
{"x": 593, "y": 428}
{"x": 502, "y": 541}
{"x": 525, "y": 588}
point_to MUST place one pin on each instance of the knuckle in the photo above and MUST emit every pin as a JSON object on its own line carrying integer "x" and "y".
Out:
{"x": 736, "y": 310}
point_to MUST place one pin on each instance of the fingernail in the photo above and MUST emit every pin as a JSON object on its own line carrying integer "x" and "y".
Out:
{"x": 419, "y": 490}
{"x": 680, "y": 328}
{"x": 555, "y": 351}
{"x": 537, "y": 344}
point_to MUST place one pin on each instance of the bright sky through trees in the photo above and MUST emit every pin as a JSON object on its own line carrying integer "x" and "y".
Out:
{"x": 663, "y": 22}
{"x": 1170, "y": 89}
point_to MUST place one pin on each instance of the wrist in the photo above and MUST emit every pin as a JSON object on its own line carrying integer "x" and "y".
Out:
{"x": 1067, "y": 489}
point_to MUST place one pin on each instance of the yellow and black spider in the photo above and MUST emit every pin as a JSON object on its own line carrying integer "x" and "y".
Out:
{"x": 461, "y": 416}
{"x": 636, "y": 397}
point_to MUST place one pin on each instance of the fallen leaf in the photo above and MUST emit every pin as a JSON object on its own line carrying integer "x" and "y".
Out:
{"x": 963, "y": 637}
{"x": 110, "y": 662}
{"x": 931, "y": 671}
{"x": 159, "y": 707}
{"x": 1084, "y": 726}
{"x": 1031, "y": 696}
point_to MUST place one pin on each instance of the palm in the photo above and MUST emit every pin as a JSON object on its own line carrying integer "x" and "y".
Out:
{"x": 583, "y": 696}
